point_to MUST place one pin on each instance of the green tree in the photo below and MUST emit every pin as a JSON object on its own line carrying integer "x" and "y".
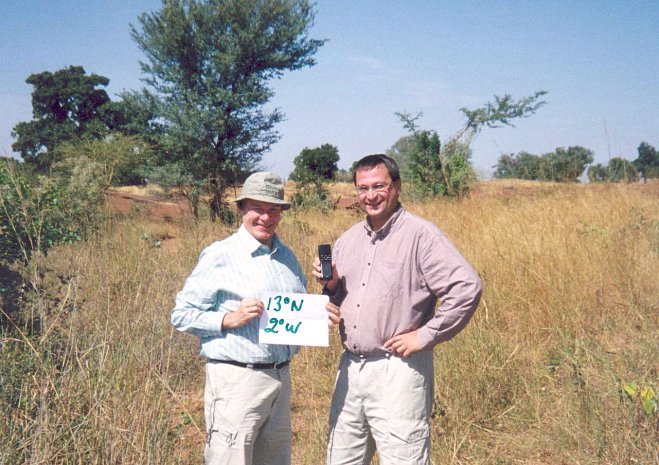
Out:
{"x": 598, "y": 173}
{"x": 621, "y": 170}
{"x": 66, "y": 105}
{"x": 134, "y": 115}
{"x": 437, "y": 169}
{"x": 647, "y": 162}
{"x": 400, "y": 152}
{"x": 562, "y": 165}
{"x": 208, "y": 64}
{"x": 119, "y": 158}
{"x": 567, "y": 165}
{"x": 317, "y": 163}
{"x": 505, "y": 167}
{"x": 343, "y": 175}
{"x": 313, "y": 168}
{"x": 523, "y": 165}
{"x": 502, "y": 111}
{"x": 617, "y": 170}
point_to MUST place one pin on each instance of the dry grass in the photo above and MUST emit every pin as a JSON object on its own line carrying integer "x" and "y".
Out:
{"x": 569, "y": 314}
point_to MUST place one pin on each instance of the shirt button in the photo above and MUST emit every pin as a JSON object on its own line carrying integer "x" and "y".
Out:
{"x": 354, "y": 346}
{"x": 354, "y": 326}
{"x": 363, "y": 284}
{"x": 369, "y": 263}
{"x": 358, "y": 305}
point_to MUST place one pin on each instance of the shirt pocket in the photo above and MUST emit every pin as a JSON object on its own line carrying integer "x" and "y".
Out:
{"x": 391, "y": 277}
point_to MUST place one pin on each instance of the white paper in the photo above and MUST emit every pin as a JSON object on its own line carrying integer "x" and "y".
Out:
{"x": 295, "y": 319}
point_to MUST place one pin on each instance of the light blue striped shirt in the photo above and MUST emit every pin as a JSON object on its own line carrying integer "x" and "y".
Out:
{"x": 235, "y": 268}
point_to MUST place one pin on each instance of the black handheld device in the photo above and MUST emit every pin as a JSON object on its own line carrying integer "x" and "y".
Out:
{"x": 325, "y": 255}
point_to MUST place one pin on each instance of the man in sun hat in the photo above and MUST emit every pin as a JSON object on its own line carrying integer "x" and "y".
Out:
{"x": 248, "y": 385}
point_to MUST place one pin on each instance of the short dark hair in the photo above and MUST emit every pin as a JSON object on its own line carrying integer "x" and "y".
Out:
{"x": 371, "y": 161}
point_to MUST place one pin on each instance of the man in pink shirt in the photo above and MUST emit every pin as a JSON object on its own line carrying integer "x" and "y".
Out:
{"x": 389, "y": 271}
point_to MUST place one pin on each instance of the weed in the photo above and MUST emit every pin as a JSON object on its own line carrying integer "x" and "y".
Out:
{"x": 558, "y": 365}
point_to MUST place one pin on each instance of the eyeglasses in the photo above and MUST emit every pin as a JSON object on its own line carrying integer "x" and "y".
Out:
{"x": 377, "y": 188}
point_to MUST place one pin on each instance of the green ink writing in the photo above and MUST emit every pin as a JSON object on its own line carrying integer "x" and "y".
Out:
{"x": 277, "y": 301}
{"x": 293, "y": 329}
{"x": 277, "y": 324}
{"x": 274, "y": 322}
{"x": 281, "y": 322}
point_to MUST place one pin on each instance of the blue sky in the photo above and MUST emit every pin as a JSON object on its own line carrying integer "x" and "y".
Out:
{"x": 598, "y": 61}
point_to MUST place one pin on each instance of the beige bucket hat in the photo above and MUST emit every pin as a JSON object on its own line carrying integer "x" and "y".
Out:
{"x": 266, "y": 187}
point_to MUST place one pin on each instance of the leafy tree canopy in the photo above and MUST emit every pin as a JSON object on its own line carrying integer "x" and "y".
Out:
{"x": 119, "y": 159}
{"x": 437, "y": 169}
{"x": 567, "y": 165}
{"x": 562, "y": 165}
{"x": 207, "y": 66}
{"x": 598, "y": 173}
{"x": 502, "y": 111}
{"x": 621, "y": 170}
{"x": 66, "y": 104}
{"x": 524, "y": 165}
{"x": 617, "y": 170}
{"x": 400, "y": 152}
{"x": 317, "y": 163}
{"x": 647, "y": 162}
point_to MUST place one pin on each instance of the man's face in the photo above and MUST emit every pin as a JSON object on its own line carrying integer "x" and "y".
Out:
{"x": 378, "y": 195}
{"x": 261, "y": 219}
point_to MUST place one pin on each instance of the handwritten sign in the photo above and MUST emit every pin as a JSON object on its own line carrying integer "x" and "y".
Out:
{"x": 296, "y": 319}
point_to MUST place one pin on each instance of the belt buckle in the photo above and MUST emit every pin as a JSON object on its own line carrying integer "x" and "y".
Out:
{"x": 249, "y": 365}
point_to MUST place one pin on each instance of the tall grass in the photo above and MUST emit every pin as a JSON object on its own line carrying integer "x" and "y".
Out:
{"x": 569, "y": 315}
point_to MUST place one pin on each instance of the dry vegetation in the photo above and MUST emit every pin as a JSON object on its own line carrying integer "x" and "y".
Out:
{"x": 569, "y": 314}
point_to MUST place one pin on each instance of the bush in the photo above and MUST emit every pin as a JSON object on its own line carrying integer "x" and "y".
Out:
{"x": 439, "y": 171}
{"x": 33, "y": 216}
{"x": 312, "y": 196}
{"x": 38, "y": 212}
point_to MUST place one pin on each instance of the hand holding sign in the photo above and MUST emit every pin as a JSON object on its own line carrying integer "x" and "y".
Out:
{"x": 248, "y": 310}
{"x": 296, "y": 319}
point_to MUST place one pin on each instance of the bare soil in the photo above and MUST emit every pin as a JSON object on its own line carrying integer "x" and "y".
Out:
{"x": 129, "y": 199}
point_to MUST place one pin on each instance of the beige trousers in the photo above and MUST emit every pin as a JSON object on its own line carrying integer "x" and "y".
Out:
{"x": 248, "y": 415}
{"x": 382, "y": 403}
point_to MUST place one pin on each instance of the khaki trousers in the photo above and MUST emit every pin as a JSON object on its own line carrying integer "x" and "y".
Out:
{"x": 383, "y": 403}
{"x": 248, "y": 415}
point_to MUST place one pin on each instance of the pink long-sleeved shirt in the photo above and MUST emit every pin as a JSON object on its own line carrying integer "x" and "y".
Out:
{"x": 391, "y": 280}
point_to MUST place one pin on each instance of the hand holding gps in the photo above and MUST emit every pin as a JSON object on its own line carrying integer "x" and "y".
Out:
{"x": 325, "y": 255}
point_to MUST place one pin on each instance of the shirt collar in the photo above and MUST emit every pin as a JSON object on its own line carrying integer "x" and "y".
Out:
{"x": 253, "y": 246}
{"x": 387, "y": 228}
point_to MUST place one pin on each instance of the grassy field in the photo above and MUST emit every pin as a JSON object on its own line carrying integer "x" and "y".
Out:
{"x": 556, "y": 367}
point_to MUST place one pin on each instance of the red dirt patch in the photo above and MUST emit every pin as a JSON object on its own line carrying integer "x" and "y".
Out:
{"x": 348, "y": 203}
{"x": 124, "y": 203}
